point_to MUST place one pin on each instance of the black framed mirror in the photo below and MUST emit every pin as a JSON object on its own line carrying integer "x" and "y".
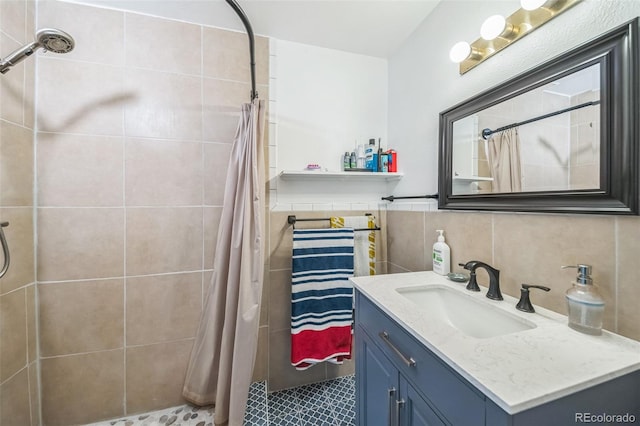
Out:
{"x": 562, "y": 137}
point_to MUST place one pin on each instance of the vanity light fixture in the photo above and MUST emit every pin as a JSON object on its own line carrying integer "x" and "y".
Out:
{"x": 493, "y": 27}
{"x": 460, "y": 51}
{"x": 498, "y": 32}
{"x": 531, "y": 4}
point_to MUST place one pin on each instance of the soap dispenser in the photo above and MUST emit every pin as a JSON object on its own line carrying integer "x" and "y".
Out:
{"x": 441, "y": 255}
{"x": 584, "y": 303}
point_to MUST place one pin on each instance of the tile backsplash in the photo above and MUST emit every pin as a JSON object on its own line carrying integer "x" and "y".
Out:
{"x": 531, "y": 248}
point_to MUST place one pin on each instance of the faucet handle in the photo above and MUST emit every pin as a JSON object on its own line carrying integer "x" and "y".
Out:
{"x": 473, "y": 283}
{"x": 524, "y": 304}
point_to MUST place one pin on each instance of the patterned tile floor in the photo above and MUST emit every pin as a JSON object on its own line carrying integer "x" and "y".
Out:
{"x": 330, "y": 403}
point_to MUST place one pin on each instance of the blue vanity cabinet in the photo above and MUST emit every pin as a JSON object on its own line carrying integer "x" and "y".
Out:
{"x": 401, "y": 382}
{"x": 376, "y": 382}
{"x": 413, "y": 409}
{"x": 385, "y": 397}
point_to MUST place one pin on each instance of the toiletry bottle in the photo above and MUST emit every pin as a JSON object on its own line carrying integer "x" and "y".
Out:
{"x": 346, "y": 161}
{"x": 585, "y": 306}
{"x": 378, "y": 168}
{"x": 392, "y": 156}
{"x": 385, "y": 163}
{"x": 360, "y": 158}
{"x": 441, "y": 255}
{"x": 352, "y": 160}
{"x": 368, "y": 154}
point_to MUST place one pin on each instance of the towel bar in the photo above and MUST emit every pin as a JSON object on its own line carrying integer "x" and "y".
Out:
{"x": 291, "y": 220}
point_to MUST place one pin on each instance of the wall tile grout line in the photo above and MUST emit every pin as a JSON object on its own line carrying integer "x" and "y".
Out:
{"x": 125, "y": 67}
{"x": 121, "y": 136}
{"x": 123, "y": 347}
{"x": 202, "y": 165}
{"x": 52, "y": 282}
{"x": 14, "y": 375}
{"x": 26, "y": 330}
{"x": 125, "y": 144}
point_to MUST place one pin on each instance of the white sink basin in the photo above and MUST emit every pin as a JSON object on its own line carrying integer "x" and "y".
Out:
{"x": 475, "y": 318}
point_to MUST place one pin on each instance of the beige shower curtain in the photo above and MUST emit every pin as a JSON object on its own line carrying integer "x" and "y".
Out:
{"x": 223, "y": 354}
{"x": 504, "y": 161}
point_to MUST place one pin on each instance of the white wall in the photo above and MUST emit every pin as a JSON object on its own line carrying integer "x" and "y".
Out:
{"x": 423, "y": 81}
{"x": 323, "y": 101}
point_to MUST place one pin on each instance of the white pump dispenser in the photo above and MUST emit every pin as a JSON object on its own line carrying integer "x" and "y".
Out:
{"x": 584, "y": 304}
{"x": 441, "y": 255}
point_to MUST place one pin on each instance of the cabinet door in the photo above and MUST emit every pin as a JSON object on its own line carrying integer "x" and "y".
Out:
{"x": 414, "y": 410}
{"x": 376, "y": 384}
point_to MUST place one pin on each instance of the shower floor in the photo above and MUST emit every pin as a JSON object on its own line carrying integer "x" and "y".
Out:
{"x": 325, "y": 403}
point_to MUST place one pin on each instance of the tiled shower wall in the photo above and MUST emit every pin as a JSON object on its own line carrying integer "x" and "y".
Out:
{"x": 585, "y": 149}
{"x": 18, "y": 352}
{"x": 544, "y": 145}
{"x": 530, "y": 248}
{"x": 134, "y": 135}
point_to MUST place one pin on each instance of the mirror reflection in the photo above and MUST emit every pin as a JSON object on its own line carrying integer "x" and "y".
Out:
{"x": 546, "y": 139}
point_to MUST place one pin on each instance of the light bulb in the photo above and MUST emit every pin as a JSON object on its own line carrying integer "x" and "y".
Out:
{"x": 459, "y": 52}
{"x": 531, "y": 4}
{"x": 492, "y": 27}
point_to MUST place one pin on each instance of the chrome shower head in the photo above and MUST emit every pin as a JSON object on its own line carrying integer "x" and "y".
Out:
{"x": 50, "y": 39}
{"x": 54, "y": 40}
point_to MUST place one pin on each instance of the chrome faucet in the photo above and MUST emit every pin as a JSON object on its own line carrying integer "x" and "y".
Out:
{"x": 494, "y": 278}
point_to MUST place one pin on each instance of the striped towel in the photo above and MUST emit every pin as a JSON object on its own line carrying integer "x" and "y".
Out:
{"x": 321, "y": 296}
{"x": 364, "y": 242}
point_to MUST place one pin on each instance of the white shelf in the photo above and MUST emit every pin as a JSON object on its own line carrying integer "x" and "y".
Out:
{"x": 318, "y": 174}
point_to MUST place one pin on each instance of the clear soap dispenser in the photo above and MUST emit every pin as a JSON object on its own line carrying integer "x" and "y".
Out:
{"x": 584, "y": 303}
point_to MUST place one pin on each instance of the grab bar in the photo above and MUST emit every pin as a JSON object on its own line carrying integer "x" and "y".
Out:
{"x": 5, "y": 249}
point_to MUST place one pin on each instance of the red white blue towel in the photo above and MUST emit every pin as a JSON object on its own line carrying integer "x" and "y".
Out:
{"x": 321, "y": 296}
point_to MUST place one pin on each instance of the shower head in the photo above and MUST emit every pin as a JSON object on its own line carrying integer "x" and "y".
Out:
{"x": 55, "y": 41}
{"x": 50, "y": 39}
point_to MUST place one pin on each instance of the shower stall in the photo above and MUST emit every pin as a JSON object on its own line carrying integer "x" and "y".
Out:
{"x": 112, "y": 171}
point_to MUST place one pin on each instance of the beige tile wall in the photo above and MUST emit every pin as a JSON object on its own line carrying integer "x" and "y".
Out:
{"x": 135, "y": 132}
{"x": 19, "y": 403}
{"x": 530, "y": 248}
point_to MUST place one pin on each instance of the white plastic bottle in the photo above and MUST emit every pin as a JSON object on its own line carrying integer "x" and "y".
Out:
{"x": 441, "y": 255}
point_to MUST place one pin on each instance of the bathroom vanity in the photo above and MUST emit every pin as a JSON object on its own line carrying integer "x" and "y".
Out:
{"x": 431, "y": 353}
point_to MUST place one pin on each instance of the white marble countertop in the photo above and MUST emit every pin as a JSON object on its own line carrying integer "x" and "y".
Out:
{"x": 517, "y": 371}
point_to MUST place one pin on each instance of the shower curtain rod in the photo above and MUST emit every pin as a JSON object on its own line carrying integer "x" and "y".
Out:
{"x": 236, "y": 7}
{"x": 488, "y": 132}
